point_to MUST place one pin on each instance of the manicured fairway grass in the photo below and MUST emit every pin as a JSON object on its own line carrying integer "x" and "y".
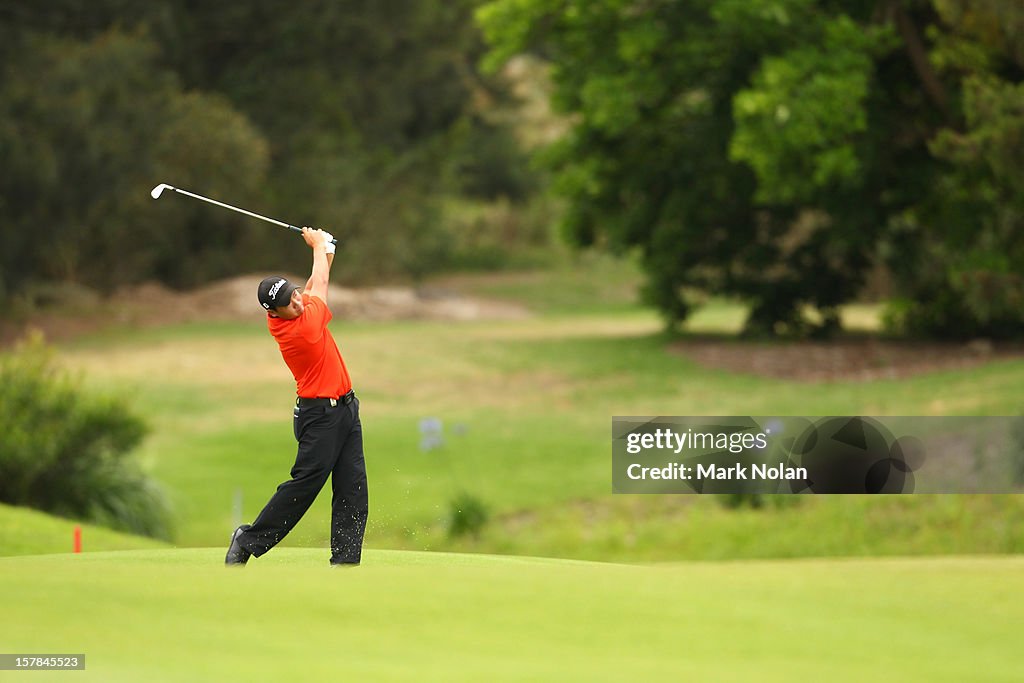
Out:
{"x": 179, "y": 616}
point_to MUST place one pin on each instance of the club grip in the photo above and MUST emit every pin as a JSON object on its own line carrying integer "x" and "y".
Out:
{"x": 299, "y": 230}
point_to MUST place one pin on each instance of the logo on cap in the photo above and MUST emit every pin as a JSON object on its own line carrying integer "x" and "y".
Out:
{"x": 276, "y": 288}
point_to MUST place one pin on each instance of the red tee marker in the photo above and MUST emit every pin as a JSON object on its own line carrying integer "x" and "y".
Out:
{"x": 78, "y": 539}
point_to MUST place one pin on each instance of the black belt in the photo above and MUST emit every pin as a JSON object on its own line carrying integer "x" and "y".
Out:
{"x": 344, "y": 400}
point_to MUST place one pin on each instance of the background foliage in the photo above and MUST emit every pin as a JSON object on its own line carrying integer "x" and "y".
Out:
{"x": 783, "y": 152}
{"x": 67, "y": 452}
{"x": 779, "y": 150}
{"x": 361, "y": 117}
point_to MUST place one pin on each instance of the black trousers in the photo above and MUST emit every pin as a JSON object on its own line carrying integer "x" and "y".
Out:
{"x": 330, "y": 445}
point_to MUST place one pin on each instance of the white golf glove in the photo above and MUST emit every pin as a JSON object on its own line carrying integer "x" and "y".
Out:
{"x": 330, "y": 245}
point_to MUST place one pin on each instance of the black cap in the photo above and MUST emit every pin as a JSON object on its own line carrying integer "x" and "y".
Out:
{"x": 275, "y": 291}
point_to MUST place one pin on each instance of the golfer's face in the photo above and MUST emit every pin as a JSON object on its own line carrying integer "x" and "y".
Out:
{"x": 294, "y": 307}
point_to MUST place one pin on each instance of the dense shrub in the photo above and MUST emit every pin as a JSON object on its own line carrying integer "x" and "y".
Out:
{"x": 67, "y": 452}
{"x": 467, "y": 515}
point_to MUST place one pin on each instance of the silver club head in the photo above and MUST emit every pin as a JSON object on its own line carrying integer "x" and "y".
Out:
{"x": 155, "y": 193}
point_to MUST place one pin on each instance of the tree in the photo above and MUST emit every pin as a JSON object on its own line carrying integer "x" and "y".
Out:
{"x": 775, "y": 149}
{"x": 88, "y": 128}
{"x": 961, "y": 256}
{"x": 369, "y": 106}
{"x": 359, "y": 117}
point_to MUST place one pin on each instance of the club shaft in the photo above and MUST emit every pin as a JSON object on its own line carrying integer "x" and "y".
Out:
{"x": 235, "y": 208}
{"x": 159, "y": 188}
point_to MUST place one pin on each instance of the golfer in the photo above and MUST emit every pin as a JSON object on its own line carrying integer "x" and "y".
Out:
{"x": 325, "y": 420}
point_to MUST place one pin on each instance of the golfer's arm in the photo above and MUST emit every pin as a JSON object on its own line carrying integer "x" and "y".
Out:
{"x": 317, "y": 283}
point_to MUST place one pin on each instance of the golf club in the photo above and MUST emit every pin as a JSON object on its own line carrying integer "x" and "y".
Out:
{"x": 158, "y": 190}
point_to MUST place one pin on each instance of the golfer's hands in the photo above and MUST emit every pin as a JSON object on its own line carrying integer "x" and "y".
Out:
{"x": 317, "y": 238}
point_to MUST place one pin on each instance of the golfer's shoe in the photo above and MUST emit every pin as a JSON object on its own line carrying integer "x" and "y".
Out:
{"x": 236, "y": 553}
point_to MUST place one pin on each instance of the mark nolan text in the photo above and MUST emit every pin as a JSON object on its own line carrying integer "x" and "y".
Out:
{"x": 751, "y": 472}
{"x": 756, "y": 472}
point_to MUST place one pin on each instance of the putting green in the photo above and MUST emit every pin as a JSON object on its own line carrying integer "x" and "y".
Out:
{"x": 178, "y": 615}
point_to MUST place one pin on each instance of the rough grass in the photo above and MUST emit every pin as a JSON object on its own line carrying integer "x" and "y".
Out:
{"x": 665, "y": 528}
{"x": 180, "y": 616}
{"x": 526, "y": 407}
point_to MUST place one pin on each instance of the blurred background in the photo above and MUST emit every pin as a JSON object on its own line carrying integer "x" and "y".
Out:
{"x": 549, "y": 212}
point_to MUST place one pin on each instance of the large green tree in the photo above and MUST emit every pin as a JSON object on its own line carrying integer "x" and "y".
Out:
{"x": 87, "y": 127}
{"x": 365, "y": 103}
{"x": 776, "y": 150}
{"x": 356, "y": 116}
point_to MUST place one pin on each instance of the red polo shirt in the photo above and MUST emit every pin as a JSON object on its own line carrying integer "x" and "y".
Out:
{"x": 310, "y": 351}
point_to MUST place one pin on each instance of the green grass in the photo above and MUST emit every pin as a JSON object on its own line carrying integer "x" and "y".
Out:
{"x": 180, "y": 616}
{"x": 28, "y": 532}
{"x": 526, "y": 405}
{"x": 594, "y": 282}
{"x": 665, "y": 528}
{"x": 587, "y": 282}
